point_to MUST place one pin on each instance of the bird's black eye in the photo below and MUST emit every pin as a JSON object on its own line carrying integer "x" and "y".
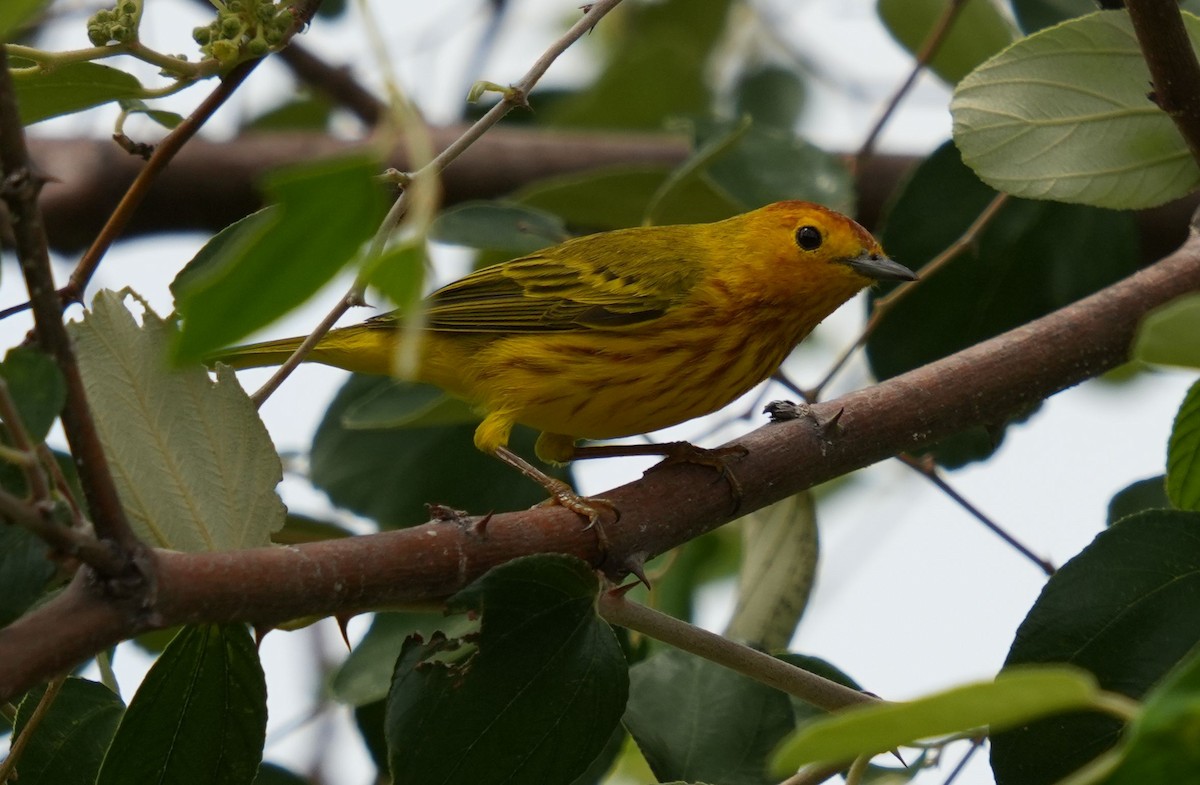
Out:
{"x": 808, "y": 237}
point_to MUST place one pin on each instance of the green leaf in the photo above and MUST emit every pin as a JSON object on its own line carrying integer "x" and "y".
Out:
{"x": 366, "y": 674}
{"x": 498, "y": 226}
{"x": 309, "y": 113}
{"x": 766, "y": 165}
{"x": 1032, "y": 258}
{"x": 162, "y": 117}
{"x": 398, "y": 273}
{"x": 673, "y": 40}
{"x": 272, "y": 261}
{"x": 1161, "y": 745}
{"x": 1064, "y": 115}
{"x": 1033, "y": 15}
{"x": 14, "y": 14}
{"x": 389, "y": 475}
{"x": 979, "y": 31}
{"x": 1183, "y": 454}
{"x": 192, "y": 461}
{"x": 1124, "y": 609}
{"x": 779, "y": 566}
{"x": 25, "y": 571}
{"x": 1170, "y": 334}
{"x": 1148, "y": 494}
{"x": 73, "y": 736}
{"x": 533, "y": 697}
{"x": 616, "y": 197}
{"x": 70, "y": 88}
{"x": 298, "y": 529}
{"x": 404, "y": 405}
{"x": 694, "y": 720}
{"x": 270, "y": 774}
{"x": 199, "y": 716}
{"x": 36, "y": 386}
{"x": 1016, "y": 696}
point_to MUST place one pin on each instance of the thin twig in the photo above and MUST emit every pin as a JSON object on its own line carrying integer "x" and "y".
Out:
{"x": 20, "y": 191}
{"x": 763, "y": 668}
{"x": 8, "y": 765}
{"x": 1174, "y": 71}
{"x": 927, "y": 469}
{"x": 883, "y": 305}
{"x": 976, "y": 745}
{"x": 39, "y": 485}
{"x": 516, "y": 95}
{"x": 929, "y": 49}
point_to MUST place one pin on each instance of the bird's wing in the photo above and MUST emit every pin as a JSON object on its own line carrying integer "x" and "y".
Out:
{"x": 578, "y": 285}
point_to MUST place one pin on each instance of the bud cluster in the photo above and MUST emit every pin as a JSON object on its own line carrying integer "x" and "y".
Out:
{"x": 116, "y": 25}
{"x": 244, "y": 28}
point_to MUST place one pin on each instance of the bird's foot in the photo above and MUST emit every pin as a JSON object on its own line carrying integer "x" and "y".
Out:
{"x": 718, "y": 458}
{"x": 589, "y": 507}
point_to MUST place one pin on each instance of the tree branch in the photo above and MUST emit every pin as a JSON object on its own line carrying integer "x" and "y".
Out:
{"x": 983, "y": 384}
{"x": 1174, "y": 71}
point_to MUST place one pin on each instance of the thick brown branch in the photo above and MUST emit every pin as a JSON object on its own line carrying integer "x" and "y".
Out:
{"x": 983, "y": 384}
{"x": 1172, "y": 63}
{"x": 210, "y": 185}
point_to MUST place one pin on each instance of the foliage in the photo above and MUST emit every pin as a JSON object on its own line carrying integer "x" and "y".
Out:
{"x": 528, "y": 681}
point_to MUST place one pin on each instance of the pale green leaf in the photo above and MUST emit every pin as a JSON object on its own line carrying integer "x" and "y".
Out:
{"x": 1016, "y": 696}
{"x": 779, "y": 564}
{"x": 1170, "y": 335}
{"x": 70, "y": 88}
{"x": 1064, "y": 115}
{"x": 978, "y": 32}
{"x": 1183, "y": 454}
{"x": 194, "y": 466}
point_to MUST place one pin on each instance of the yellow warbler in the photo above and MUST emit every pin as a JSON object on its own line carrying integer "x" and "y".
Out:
{"x": 619, "y": 333}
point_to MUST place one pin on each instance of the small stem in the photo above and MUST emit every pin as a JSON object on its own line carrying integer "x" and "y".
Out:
{"x": 20, "y": 742}
{"x": 884, "y": 304}
{"x": 929, "y": 49}
{"x": 960, "y": 767}
{"x": 261, "y": 395}
{"x": 926, "y": 468}
{"x": 39, "y": 486}
{"x": 858, "y": 770}
{"x": 1120, "y": 706}
{"x": 763, "y": 668}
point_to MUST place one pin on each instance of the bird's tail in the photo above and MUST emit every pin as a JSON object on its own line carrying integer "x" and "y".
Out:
{"x": 256, "y": 355}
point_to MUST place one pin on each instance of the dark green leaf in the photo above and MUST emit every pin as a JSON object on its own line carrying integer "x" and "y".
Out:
{"x": 366, "y": 674}
{"x": 309, "y": 113}
{"x": 769, "y": 165}
{"x": 36, "y": 386}
{"x": 70, "y": 88}
{"x": 597, "y": 771}
{"x": 695, "y": 720}
{"x": 1148, "y": 494}
{"x": 1170, "y": 334}
{"x": 398, "y": 273}
{"x": 533, "y": 697}
{"x": 69, "y": 744}
{"x": 25, "y": 571}
{"x": 1127, "y": 608}
{"x": 369, "y": 719}
{"x": 15, "y": 13}
{"x": 137, "y": 106}
{"x": 272, "y": 261}
{"x": 773, "y": 97}
{"x": 1032, "y": 258}
{"x": 405, "y": 405}
{"x": 270, "y": 774}
{"x": 389, "y": 475}
{"x": 670, "y": 40}
{"x": 617, "y": 197}
{"x": 498, "y": 226}
{"x": 299, "y": 529}
{"x": 200, "y": 715}
{"x": 979, "y": 31}
{"x": 1183, "y": 454}
{"x": 1161, "y": 744}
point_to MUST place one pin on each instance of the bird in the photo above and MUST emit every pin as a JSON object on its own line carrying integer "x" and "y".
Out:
{"x": 618, "y": 333}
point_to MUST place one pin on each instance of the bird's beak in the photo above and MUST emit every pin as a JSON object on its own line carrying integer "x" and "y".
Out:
{"x": 879, "y": 267}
